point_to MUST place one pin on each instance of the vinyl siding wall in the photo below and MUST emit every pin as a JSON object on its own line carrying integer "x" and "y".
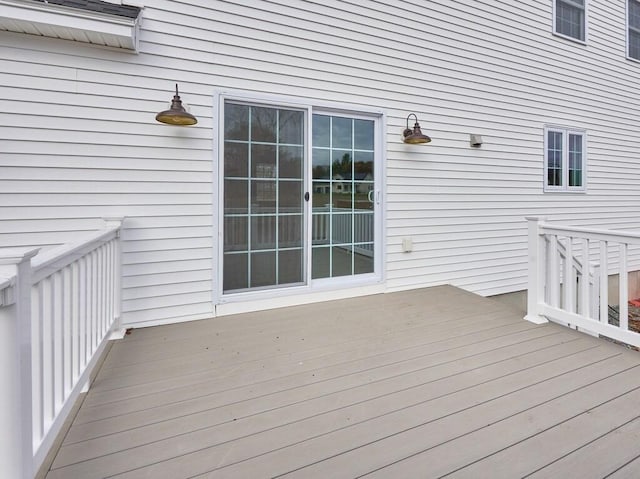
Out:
{"x": 78, "y": 140}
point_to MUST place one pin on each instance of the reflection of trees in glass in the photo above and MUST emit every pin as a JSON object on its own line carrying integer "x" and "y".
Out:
{"x": 236, "y": 118}
{"x": 342, "y": 166}
{"x": 290, "y": 126}
{"x": 363, "y": 167}
{"x": 321, "y": 172}
{"x": 263, "y": 124}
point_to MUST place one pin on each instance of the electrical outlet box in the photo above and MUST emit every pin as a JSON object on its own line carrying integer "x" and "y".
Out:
{"x": 407, "y": 245}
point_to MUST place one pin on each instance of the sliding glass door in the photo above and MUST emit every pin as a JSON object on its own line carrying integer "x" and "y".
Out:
{"x": 300, "y": 197}
{"x": 343, "y": 196}
{"x": 263, "y": 212}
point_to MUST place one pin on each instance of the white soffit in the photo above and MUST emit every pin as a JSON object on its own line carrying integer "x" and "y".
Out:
{"x": 56, "y": 21}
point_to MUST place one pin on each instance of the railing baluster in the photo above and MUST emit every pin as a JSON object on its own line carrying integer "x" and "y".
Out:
{"x": 108, "y": 284}
{"x": 623, "y": 288}
{"x": 58, "y": 341}
{"x": 75, "y": 323}
{"x": 585, "y": 280}
{"x": 67, "y": 339}
{"x": 569, "y": 278}
{"x": 47, "y": 356}
{"x": 93, "y": 300}
{"x": 100, "y": 281}
{"x": 82, "y": 311}
{"x": 36, "y": 359}
{"x": 604, "y": 281}
{"x": 554, "y": 274}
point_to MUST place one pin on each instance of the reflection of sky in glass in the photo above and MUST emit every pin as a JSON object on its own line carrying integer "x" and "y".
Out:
{"x": 235, "y": 122}
{"x": 570, "y": 19}
{"x": 634, "y": 14}
{"x": 554, "y": 149}
{"x": 341, "y": 131}
{"x": 290, "y": 123}
{"x": 575, "y": 143}
{"x": 363, "y": 134}
{"x": 321, "y": 163}
{"x": 575, "y": 152}
{"x": 321, "y": 131}
{"x": 554, "y": 158}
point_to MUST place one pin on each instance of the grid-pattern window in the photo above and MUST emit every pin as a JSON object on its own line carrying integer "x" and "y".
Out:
{"x": 565, "y": 159}
{"x": 633, "y": 27}
{"x": 570, "y": 18}
{"x": 343, "y": 196}
{"x": 263, "y": 196}
{"x": 554, "y": 158}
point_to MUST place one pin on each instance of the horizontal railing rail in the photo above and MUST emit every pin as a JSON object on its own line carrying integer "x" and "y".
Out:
{"x": 59, "y": 309}
{"x": 569, "y": 270}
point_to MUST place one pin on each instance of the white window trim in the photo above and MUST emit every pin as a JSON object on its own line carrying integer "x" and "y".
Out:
{"x": 626, "y": 32}
{"x": 321, "y": 286}
{"x": 565, "y": 188}
{"x": 567, "y": 37}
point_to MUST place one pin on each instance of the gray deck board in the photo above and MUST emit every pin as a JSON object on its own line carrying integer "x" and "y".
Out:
{"x": 599, "y": 457}
{"x": 422, "y": 383}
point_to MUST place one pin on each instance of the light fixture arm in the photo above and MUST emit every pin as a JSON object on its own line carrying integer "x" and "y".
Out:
{"x": 410, "y": 115}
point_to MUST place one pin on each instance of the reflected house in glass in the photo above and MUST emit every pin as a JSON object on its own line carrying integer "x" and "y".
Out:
{"x": 346, "y": 184}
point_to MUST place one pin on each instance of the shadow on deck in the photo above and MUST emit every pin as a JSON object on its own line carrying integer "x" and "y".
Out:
{"x": 423, "y": 383}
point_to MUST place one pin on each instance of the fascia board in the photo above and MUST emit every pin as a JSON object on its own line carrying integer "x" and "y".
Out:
{"x": 57, "y": 16}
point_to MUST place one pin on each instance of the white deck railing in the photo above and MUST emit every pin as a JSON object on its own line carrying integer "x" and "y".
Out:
{"x": 569, "y": 270}
{"x": 57, "y": 312}
{"x": 338, "y": 226}
{"x": 344, "y": 228}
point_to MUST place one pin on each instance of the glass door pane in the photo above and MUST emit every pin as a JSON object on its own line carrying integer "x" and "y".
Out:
{"x": 343, "y": 155}
{"x": 263, "y": 211}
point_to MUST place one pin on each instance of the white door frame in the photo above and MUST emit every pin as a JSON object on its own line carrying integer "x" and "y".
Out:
{"x": 312, "y": 286}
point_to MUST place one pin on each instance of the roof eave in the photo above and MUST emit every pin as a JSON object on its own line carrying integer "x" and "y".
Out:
{"x": 58, "y": 21}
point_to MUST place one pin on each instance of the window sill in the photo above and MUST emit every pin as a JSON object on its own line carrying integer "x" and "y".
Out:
{"x": 581, "y": 191}
{"x": 570, "y": 39}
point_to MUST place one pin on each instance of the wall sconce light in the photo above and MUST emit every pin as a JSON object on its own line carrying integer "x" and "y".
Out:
{"x": 475, "y": 140}
{"x": 176, "y": 114}
{"x": 414, "y": 136}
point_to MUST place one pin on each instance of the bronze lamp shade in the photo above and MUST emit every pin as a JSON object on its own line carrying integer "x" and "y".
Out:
{"x": 176, "y": 114}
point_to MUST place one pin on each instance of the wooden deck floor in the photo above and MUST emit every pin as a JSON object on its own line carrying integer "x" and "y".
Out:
{"x": 428, "y": 383}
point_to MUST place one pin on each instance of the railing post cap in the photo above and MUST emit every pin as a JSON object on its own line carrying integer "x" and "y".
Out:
{"x": 113, "y": 220}
{"x": 17, "y": 255}
{"x": 535, "y": 218}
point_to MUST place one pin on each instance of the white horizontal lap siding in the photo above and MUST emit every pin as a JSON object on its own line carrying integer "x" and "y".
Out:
{"x": 499, "y": 189}
{"x": 79, "y": 141}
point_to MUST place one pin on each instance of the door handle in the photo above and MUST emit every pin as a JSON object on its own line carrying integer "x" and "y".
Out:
{"x": 306, "y": 196}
